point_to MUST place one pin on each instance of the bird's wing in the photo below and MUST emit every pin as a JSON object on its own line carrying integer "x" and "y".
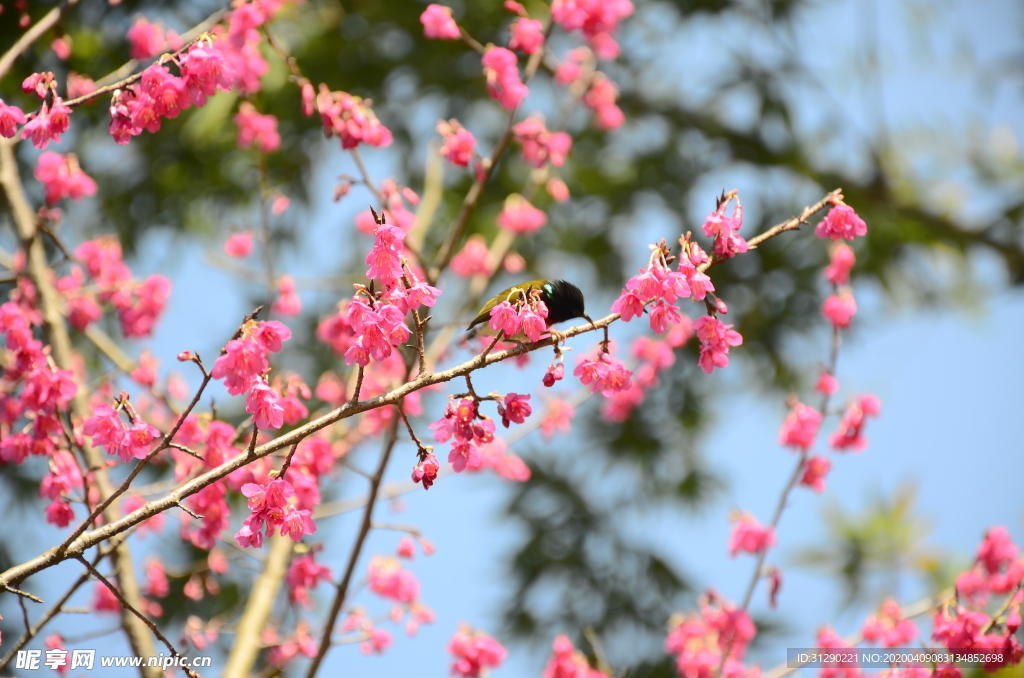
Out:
{"x": 512, "y": 294}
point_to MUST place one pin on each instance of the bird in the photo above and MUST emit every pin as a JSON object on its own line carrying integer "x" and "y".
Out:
{"x": 563, "y": 300}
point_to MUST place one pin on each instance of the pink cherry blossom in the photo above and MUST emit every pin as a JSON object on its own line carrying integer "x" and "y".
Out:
{"x": 716, "y": 338}
{"x": 79, "y": 85}
{"x": 557, "y": 189}
{"x": 827, "y": 384}
{"x": 606, "y": 375}
{"x": 205, "y": 70}
{"x": 438, "y": 23}
{"x": 841, "y": 222}
{"x": 601, "y": 98}
{"x": 388, "y": 579}
{"x": 800, "y": 428}
{"x": 519, "y": 216}
{"x": 502, "y": 72}
{"x": 997, "y": 550}
{"x": 146, "y": 40}
{"x": 265, "y": 405}
{"x": 406, "y": 548}
{"x": 840, "y": 308}
{"x": 140, "y": 310}
{"x": 505, "y": 318}
{"x": 473, "y": 259}
{"x": 514, "y": 408}
{"x": 379, "y": 640}
{"x": 305, "y": 574}
{"x": 596, "y": 19}
{"x": 289, "y": 302}
{"x": 555, "y": 372}
{"x": 351, "y": 119}
{"x": 539, "y": 145}
{"x": 889, "y": 628}
{"x": 10, "y": 118}
{"x": 842, "y": 261}
{"x": 425, "y": 471}
{"x": 849, "y": 434}
{"x": 814, "y": 472}
{"x": 47, "y": 124}
{"x": 474, "y": 652}
{"x": 107, "y": 430}
{"x": 459, "y": 143}
{"x": 527, "y": 35}
{"x": 256, "y": 128}
{"x": 568, "y": 662}
{"x": 723, "y": 228}
{"x": 62, "y": 177}
{"x": 749, "y": 536}
{"x": 239, "y": 245}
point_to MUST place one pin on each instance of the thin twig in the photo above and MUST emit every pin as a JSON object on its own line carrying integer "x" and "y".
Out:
{"x": 364, "y": 530}
{"x": 29, "y": 37}
{"x": 145, "y": 620}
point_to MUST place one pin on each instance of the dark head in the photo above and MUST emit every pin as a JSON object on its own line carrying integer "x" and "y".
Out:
{"x": 564, "y": 301}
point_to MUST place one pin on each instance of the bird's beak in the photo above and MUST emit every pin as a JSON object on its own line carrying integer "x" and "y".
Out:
{"x": 591, "y": 321}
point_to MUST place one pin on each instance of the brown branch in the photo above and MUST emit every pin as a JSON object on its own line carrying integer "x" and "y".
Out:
{"x": 364, "y": 530}
{"x": 23, "y": 594}
{"x": 145, "y": 620}
{"x": 57, "y": 608}
{"x": 29, "y": 37}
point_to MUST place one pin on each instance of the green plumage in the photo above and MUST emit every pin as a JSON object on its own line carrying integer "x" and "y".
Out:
{"x": 511, "y": 294}
{"x": 563, "y": 300}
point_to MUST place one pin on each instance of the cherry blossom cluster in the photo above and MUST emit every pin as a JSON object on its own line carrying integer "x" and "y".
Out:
{"x": 107, "y": 430}
{"x": 711, "y": 641}
{"x": 34, "y": 392}
{"x": 959, "y": 623}
{"x": 501, "y": 68}
{"x": 659, "y": 286}
{"x": 351, "y": 119}
{"x": 257, "y": 128}
{"x": 438, "y": 23}
{"x": 596, "y": 19}
{"x": 749, "y": 536}
{"x": 519, "y": 216}
{"x": 716, "y": 338}
{"x": 377, "y": 319}
{"x": 139, "y": 305}
{"x": 459, "y": 143}
{"x": 42, "y": 126}
{"x": 539, "y": 145}
{"x": 470, "y": 428}
{"x": 568, "y": 662}
{"x": 245, "y": 363}
{"x": 474, "y": 652}
{"x": 604, "y": 374}
{"x": 62, "y": 177}
{"x": 146, "y": 40}
{"x": 653, "y": 356}
{"x": 723, "y": 228}
{"x": 271, "y": 507}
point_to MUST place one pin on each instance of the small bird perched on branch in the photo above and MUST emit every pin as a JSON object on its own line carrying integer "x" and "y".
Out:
{"x": 563, "y": 300}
